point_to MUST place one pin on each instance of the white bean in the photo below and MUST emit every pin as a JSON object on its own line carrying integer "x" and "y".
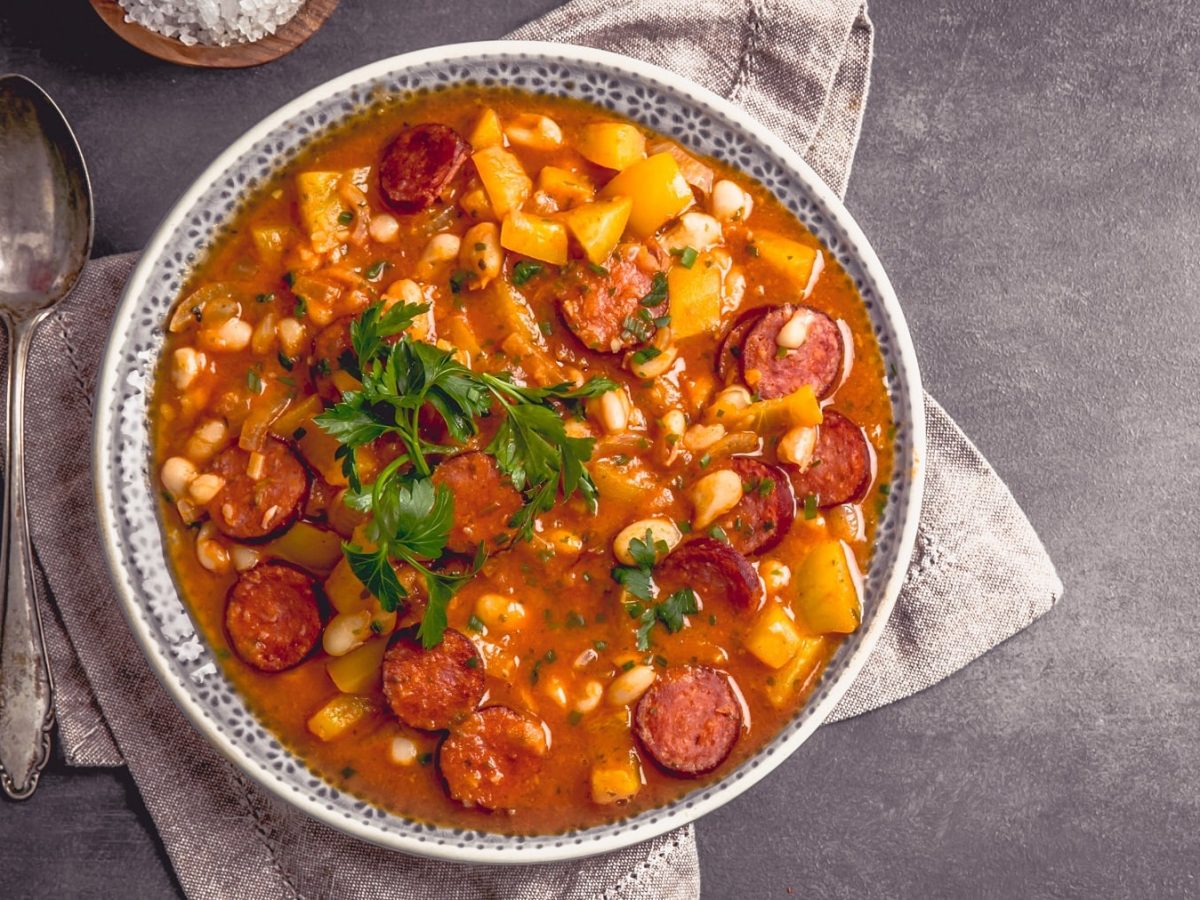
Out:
{"x": 697, "y": 230}
{"x": 714, "y": 495}
{"x": 177, "y": 473}
{"x": 660, "y": 530}
{"x": 244, "y": 558}
{"x": 230, "y": 336}
{"x": 593, "y": 691}
{"x": 212, "y": 555}
{"x": 204, "y": 487}
{"x": 775, "y": 575}
{"x": 188, "y": 364}
{"x": 346, "y": 631}
{"x": 384, "y": 228}
{"x": 730, "y": 203}
{"x": 499, "y": 612}
{"x": 402, "y": 751}
{"x": 534, "y": 131}
{"x": 614, "y": 411}
{"x": 795, "y": 330}
{"x": 206, "y": 440}
{"x": 798, "y": 445}
{"x": 292, "y": 335}
{"x": 480, "y": 253}
{"x": 701, "y": 437}
{"x": 263, "y": 339}
{"x": 628, "y": 687}
{"x": 442, "y": 248}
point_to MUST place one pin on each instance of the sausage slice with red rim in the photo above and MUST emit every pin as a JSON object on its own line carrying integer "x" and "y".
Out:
{"x": 258, "y": 509}
{"x": 493, "y": 759}
{"x": 714, "y": 570}
{"x": 729, "y": 354}
{"x": 842, "y": 467}
{"x": 419, "y": 165}
{"x": 484, "y": 501}
{"x": 272, "y": 616}
{"x": 689, "y": 720}
{"x": 772, "y": 371}
{"x": 432, "y": 689}
{"x": 766, "y": 510}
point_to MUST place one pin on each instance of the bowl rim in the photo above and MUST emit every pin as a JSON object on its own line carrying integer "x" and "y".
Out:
{"x": 723, "y": 790}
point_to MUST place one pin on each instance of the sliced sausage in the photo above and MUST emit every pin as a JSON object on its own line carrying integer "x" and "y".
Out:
{"x": 419, "y": 165}
{"x": 604, "y": 309}
{"x": 272, "y": 617}
{"x": 484, "y": 501}
{"x": 331, "y": 351}
{"x": 772, "y": 371}
{"x": 714, "y": 570}
{"x": 842, "y": 467}
{"x": 766, "y": 510}
{"x": 493, "y": 759}
{"x": 689, "y": 720}
{"x": 257, "y": 509}
{"x": 729, "y": 354}
{"x": 432, "y": 689}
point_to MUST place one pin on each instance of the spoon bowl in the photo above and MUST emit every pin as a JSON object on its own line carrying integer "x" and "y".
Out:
{"x": 45, "y": 239}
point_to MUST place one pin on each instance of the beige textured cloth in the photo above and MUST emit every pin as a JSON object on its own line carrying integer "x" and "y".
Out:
{"x": 979, "y": 573}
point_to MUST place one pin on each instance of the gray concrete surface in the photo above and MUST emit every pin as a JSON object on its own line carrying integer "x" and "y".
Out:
{"x": 1028, "y": 174}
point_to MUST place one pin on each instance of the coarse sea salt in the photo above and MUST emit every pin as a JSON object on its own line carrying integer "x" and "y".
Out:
{"x": 214, "y": 22}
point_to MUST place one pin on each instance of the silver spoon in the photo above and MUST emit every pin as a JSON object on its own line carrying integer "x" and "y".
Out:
{"x": 45, "y": 238}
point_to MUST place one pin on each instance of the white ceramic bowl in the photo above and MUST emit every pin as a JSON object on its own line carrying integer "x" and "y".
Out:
{"x": 127, "y": 489}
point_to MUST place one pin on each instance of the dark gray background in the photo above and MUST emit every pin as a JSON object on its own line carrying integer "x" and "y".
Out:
{"x": 1028, "y": 174}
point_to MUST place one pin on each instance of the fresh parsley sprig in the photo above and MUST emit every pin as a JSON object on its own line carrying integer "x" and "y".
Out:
{"x": 410, "y": 521}
{"x": 638, "y": 581}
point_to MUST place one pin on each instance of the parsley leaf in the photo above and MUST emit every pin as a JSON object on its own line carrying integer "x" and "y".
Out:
{"x": 670, "y": 612}
{"x": 686, "y": 256}
{"x": 637, "y": 579}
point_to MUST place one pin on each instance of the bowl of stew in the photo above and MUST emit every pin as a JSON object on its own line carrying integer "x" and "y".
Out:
{"x": 508, "y": 452}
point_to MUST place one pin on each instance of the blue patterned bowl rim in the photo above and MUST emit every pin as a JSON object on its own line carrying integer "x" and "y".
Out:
{"x": 127, "y": 509}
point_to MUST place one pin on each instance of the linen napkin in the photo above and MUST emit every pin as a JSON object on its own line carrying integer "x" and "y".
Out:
{"x": 979, "y": 573}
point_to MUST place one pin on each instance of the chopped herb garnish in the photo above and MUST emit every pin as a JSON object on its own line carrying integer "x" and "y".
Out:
{"x": 885, "y": 489}
{"x": 480, "y": 246}
{"x": 781, "y": 352}
{"x": 348, "y": 773}
{"x": 752, "y": 249}
{"x": 254, "y": 382}
{"x": 574, "y": 717}
{"x": 375, "y": 270}
{"x": 660, "y": 660}
{"x": 473, "y": 662}
{"x": 645, "y": 552}
{"x": 459, "y": 280}
{"x": 646, "y": 354}
{"x": 599, "y": 270}
{"x": 719, "y": 533}
{"x": 301, "y": 307}
{"x": 475, "y": 624}
{"x": 705, "y": 460}
{"x": 670, "y": 612}
{"x": 575, "y": 620}
{"x": 627, "y": 665}
{"x": 811, "y": 502}
{"x": 345, "y": 217}
{"x": 600, "y": 646}
{"x": 265, "y": 298}
{"x": 524, "y": 270}
{"x": 686, "y": 256}
{"x": 289, "y": 278}
{"x": 286, "y": 361}
{"x": 658, "y": 291}
{"x": 636, "y": 328}
{"x": 299, "y": 433}
{"x": 546, "y": 327}
{"x": 425, "y": 759}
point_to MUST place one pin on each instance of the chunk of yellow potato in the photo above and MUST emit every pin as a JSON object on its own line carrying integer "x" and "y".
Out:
{"x": 360, "y": 669}
{"x": 800, "y": 407}
{"x": 614, "y": 145}
{"x": 598, "y": 226}
{"x": 345, "y": 592}
{"x": 616, "y": 781}
{"x": 475, "y": 203}
{"x": 781, "y": 689}
{"x": 297, "y": 416}
{"x": 340, "y": 715}
{"x": 321, "y": 205}
{"x": 658, "y": 189}
{"x": 488, "y": 132}
{"x": 308, "y": 546}
{"x": 534, "y": 236}
{"x": 800, "y": 263}
{"x": 629, "y": 485}
{"x": 773, "y": 637}
{"x": 695, "y": 296}
{"x": 271, "y": 241}
{"x": 503, "y": 178}
{"x": 320, "y": 451}
{"x": 566, "y": 188}
{"x": 826, "y": 596}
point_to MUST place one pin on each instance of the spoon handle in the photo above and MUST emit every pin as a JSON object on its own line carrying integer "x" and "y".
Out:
{"x": 26, "y": 688}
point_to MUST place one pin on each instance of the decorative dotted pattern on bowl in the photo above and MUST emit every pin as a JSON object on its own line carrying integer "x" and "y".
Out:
{"x": 132, "y": 531}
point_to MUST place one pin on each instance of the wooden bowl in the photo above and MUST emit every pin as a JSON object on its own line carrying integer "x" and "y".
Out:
{"x": 288, "y": 37}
